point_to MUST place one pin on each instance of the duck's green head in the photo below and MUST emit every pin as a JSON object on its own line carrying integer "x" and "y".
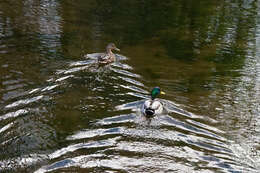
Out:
{"x": 155, "y": 92}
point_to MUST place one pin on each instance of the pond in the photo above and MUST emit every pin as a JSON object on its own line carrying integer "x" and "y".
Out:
{"x": 60, "y": 112}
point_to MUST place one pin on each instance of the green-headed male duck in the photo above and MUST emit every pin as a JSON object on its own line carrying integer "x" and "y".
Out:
{"x": 109, "y": 56}
{"x": 153, "y": 107}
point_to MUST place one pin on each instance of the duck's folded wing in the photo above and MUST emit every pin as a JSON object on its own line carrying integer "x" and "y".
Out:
{"x": 145, "y": 106}
{"x": 156, "y": 105}
{"x": 103, "y": 57}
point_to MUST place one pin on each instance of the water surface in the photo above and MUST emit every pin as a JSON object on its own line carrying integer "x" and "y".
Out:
{"x": 60, "y": 112}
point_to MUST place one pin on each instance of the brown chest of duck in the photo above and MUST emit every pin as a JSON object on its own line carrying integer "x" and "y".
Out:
{"x": 109, "y": 56}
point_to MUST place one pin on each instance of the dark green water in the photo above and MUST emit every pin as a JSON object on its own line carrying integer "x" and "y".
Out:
{"x": 59, "y": 113}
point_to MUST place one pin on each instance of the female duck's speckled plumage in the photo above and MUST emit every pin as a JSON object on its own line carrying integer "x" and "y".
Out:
{"x": 153, "y": 106}
{"x": 109, "y": 56}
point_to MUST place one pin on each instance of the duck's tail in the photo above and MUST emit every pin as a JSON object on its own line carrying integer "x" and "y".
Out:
{"x": 149, "y": 112}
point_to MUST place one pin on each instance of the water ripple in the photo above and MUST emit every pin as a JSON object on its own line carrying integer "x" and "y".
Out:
{"x": 97, "y": 144}
{"x": 14, "y": 114}
{"x": 6, "y": 127}
{"x": 94, "y": 133}
{"x": 24, "y": 102}
{"x": 126, "y": 73}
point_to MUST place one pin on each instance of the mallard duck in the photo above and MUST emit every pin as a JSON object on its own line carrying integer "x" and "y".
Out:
{"x": 153, "y": 107}
{"x": 109, "y": 56}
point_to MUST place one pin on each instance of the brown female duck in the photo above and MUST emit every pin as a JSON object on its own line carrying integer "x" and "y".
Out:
{"x": 109, "y": 56}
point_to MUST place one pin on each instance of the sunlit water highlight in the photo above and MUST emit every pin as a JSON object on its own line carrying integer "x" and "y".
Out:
{"x": 61, "y": 112}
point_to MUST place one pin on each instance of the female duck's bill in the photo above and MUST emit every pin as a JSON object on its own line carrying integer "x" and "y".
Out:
{"x": 110, "y": 47}
{"x": 152, "y": 107}
{"x": 109, "y": 56}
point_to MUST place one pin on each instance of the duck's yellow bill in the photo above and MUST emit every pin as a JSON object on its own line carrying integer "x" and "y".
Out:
{"x": 162, "y": 92}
